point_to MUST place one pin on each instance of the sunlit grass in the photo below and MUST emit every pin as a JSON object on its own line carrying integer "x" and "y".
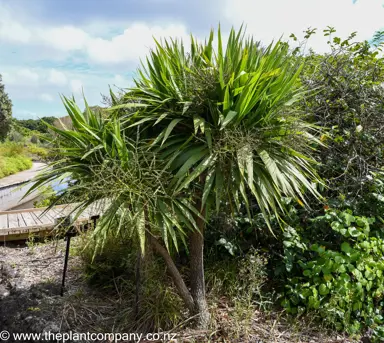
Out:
{"x": 13, "y": 159}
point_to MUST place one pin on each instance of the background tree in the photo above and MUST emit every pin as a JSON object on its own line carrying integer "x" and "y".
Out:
{"x": 37, "y": 125}
{"x": 348, "y": 101}
{"x": 5, "y": 112}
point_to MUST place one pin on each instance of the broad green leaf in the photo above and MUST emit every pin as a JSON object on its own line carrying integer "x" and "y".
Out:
{"x": 169, "y": 129}
{"x": 228, "y": 119}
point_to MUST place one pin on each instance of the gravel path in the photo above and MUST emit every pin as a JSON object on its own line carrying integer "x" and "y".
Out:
{"x": 30, "y": 279}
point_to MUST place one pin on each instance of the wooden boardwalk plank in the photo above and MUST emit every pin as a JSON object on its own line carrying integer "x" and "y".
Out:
{"x": 13, "y": 222}
{"x": 53, "y": 212}
{"x": 3, "y": 221}
{"x": 21, "y": 220}
{"x": 30, "y": 220}
{"x": 43, "y": 218}
{"x": 50, "y": 215}
{"x": 18, "y": 224}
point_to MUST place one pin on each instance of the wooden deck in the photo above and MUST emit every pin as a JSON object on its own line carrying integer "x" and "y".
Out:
{"x": 20, "y": 224}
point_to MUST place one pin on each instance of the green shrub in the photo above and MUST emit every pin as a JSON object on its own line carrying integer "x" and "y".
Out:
{"x": 11, "y": 149}
{"x": 13, "y": 159}
{"x": 239, "y": 278}
{"x": 239, "y": 283}
{"x": 16, "y": 137}
{"x": 344, "y": 284}
{"x": 12, "y": 165}
{"x": 34, "y": 139}
{"x": 114, "y": 269}
{"x": 38, "y": 151}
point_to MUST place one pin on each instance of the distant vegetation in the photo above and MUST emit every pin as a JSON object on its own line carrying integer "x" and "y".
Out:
{"x": 13, "y": 158}
{"x": 37, "y": 125}
{"x": 25, "y": 142}
{"x": 5, "y": 112}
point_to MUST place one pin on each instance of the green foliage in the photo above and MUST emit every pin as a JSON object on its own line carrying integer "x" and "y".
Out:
{"x": 240, "y": 278}
{"x": 12, "y": 165}
{"x": 13, "y": 159}
{"x": 37, "y": 125}
{"x": 11, "y": 149}
{"x": 347, "y": 82}
{"x": 113, "y": 269}
{"x": 211, "y": 125}
{"x": 98, "y": 110}
{"x": 240, "y": 284}
{"x": 108, "y": 164}
{"x": 343, "y": 282}
{"x": 5, "y": 112}
{"x": 37, "y": 151}
{"x": 225, "y": 120}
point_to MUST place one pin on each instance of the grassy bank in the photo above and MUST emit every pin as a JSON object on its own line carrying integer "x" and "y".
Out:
{"x": 13, "y": 158}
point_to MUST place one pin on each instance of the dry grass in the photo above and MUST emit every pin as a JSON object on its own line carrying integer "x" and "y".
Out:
{"x": 90, "y": 309}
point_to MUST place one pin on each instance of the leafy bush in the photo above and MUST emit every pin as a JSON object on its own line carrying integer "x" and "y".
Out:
{"x": 13, "y": 159}
{"x": 35, "y": 124}
{"x": 343, "y": 282}
{"x": 34, "y": 139}
{"x": 114, "y": 269}
{"x": 237, "y": 284}
{"x": 12, "y": 165}
{"x": 11, "y": 149}
{"x": 240, "y": 278}
{"x": 38, "y": 151}
{"x": 347, "y": 82}
{"x": 16, "y": 136}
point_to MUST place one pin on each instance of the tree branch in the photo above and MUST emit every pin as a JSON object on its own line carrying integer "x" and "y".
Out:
{"x": 174, "y": 272}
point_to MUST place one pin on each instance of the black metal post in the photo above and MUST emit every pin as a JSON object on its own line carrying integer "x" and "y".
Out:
{"x": 94, "y": 220}
{"x": 71, "y": 232}
{"x": 65, "y": 263}
{"x": 65, "y": 223}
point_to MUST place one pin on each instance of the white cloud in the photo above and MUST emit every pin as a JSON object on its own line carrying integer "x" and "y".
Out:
{"x": 7, "y": 78}
{"x": 121, "y": 81}
{"x": 27, "y": 75}
{"x": 133, "y": 43}
{"x": 118, "y": 79}
{"x": 129, "y": 46}
{"x": 46, "y": 97}
{"x": 267, "y": 20}
{"x": 65, "y": 38}
{"x": 57, "y": 78}
{"x": 76, "y": 86}
{"x": 11, "y": 30}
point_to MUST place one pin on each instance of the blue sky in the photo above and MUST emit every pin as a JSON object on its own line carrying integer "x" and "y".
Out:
{"x": 52, "y": 47}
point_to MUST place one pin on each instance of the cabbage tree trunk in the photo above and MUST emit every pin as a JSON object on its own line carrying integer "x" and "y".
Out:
{"x": 174, "y": 273}
{"x": 197, "y": 278}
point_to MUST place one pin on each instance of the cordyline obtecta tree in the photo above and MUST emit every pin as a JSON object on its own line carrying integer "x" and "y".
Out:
{"x": 199, "y": 130}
